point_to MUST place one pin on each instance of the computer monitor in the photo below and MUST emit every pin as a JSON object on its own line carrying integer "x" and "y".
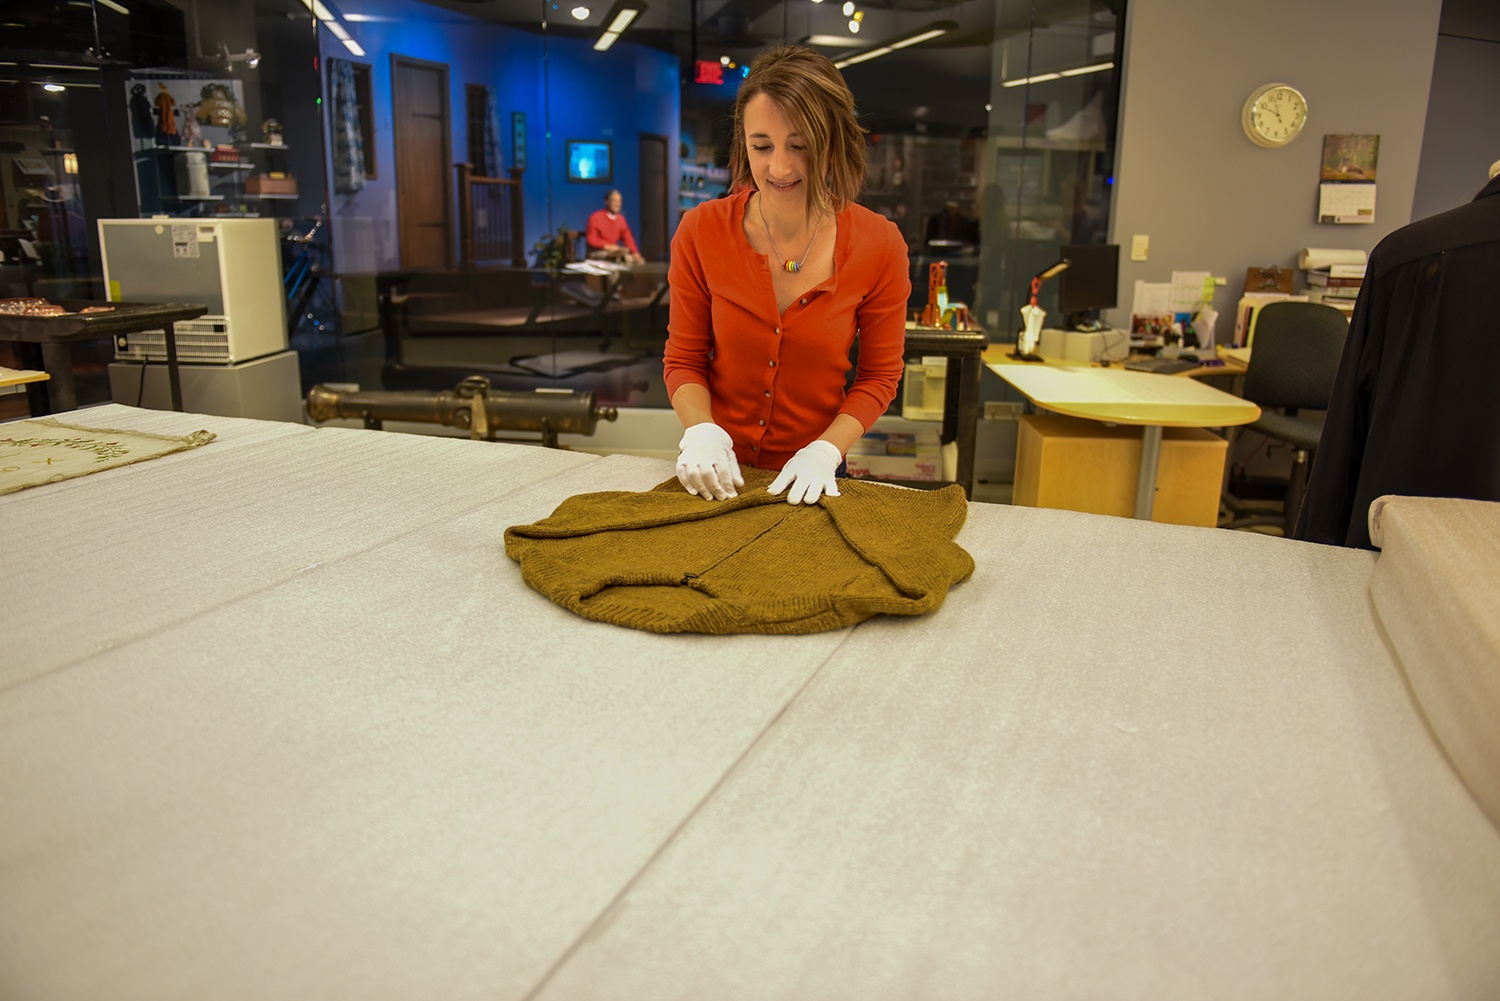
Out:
{"x": 1091, "y": 282}
{"x": 590, "y": 160}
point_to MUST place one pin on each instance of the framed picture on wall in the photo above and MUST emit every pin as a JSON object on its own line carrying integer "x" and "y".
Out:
{"x": 590, "y": 160}
{"x": 518, "y": 139}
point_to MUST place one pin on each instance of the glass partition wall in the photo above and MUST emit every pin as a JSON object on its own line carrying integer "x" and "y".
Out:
{"x": 432, "y": 167}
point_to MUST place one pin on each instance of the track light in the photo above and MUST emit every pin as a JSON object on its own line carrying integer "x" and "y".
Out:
{"x": 249, "y": 57}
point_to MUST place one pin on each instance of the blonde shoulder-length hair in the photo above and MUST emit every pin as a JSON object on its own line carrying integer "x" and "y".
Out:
{"x": 811, "y": 92}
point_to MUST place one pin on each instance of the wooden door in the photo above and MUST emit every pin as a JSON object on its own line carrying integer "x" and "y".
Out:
{"x": 655, "y": 198}
{"x": 419, "y": 104}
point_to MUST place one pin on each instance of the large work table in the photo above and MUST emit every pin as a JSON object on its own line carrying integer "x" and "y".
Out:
{"x": 278, "y": 719}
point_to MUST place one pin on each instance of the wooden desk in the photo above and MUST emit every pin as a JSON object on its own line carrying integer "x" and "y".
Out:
{"x": 1118, "y": 396}
{"x": 56, "y": 333}
{"x": 961, "y": 390}
{"x": 20, "y": 376}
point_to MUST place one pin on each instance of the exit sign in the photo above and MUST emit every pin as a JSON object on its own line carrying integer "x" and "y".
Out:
{"x": 708, "y": 71}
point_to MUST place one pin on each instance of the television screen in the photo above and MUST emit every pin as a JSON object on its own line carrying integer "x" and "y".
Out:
{"x": 589, "y": 160}
{"x": 1092, "y": 279}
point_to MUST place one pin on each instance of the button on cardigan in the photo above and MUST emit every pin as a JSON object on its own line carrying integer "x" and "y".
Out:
{"x": 776, "y": 381}
{"x": 668, "y": 562}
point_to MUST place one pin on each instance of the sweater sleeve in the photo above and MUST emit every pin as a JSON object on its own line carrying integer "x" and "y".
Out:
{"x": 881, "y": 322}
{"x": 689, "y": 322}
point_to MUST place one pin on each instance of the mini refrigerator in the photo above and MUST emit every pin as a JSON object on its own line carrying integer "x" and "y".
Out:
{"x": 233, "y": 266}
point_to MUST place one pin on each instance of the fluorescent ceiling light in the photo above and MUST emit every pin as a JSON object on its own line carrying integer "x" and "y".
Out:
{"x": 115, "y": 7}
{"x": 54, "y": 88}
{"x": 832, "y": 41}
{"x": 622, "y": 20}
{"x": 339, "y": 31}
{"x": 1039, "y": 78}
{"x": 319, "y": 11}
{"x": 1044, "y": 77}
{"x": 923, "y": 34}
{"x": 1096, "y": 68}
{"x": 62, "y": 66}
{"x": 883, "y": 50}
{"x": 620, "y": 17}
{"x": 353, "y": 47}
{"x": 917, "y": 39}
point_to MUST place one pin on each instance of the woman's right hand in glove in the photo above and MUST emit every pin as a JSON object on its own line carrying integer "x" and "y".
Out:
{"x": 706, "y": 465}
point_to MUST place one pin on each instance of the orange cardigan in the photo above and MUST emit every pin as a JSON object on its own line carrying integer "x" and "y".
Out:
{"x": 777, "y": 382}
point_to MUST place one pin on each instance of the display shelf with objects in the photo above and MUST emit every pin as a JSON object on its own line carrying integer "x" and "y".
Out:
{"x": 700, "y": 182}
{"x": 192, "y": 154}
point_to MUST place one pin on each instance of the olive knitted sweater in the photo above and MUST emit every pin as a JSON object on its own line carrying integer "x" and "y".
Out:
{"x": 666, "y": 561}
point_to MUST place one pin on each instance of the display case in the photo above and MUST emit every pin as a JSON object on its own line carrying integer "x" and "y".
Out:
{"x": 700, "y": 182}
{"x": 193, "y": 154}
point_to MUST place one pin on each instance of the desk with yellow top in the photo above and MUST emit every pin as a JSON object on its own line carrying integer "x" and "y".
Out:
{"x": 1079, "y": 457}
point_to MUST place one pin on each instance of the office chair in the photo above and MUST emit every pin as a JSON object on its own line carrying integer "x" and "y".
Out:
{"x": 1293, "y": 361}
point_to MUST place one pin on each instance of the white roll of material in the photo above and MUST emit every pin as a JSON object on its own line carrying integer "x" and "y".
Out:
{"x": 1320, "y": 257}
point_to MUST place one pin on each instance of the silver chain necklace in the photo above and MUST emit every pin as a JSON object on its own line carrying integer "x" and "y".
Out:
{"x": 789, "y": 265}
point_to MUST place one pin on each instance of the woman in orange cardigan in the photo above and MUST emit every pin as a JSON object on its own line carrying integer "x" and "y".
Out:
{"x": 771, "y": 284}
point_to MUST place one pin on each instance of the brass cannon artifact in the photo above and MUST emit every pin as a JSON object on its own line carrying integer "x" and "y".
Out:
{"x": 472, "y": 405}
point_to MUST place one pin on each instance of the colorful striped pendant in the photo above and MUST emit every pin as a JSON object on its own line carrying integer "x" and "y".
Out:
{"x": 793, "y": 265}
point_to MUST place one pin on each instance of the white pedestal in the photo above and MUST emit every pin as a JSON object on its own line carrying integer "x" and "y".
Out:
{"x": 268, "y": 388}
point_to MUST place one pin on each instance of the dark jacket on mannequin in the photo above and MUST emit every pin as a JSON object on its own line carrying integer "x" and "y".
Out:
{"x": 1416, "y": 405}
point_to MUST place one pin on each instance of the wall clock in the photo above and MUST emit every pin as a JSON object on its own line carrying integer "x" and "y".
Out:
{"x": 1274, "y": 114}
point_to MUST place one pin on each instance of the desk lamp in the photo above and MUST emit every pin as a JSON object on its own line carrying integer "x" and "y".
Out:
{"x": 1032, "y": 315}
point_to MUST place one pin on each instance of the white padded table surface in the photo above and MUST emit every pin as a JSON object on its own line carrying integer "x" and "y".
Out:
{"x": 322, "y": 742}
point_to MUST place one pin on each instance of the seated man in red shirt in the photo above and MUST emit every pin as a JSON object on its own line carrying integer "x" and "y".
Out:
{"x": 609, "y": 236}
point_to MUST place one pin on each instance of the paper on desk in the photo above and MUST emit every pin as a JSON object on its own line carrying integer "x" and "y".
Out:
{"x": 1056, "y": 384}
{"x": 1151, "y": 299}
{"x": 1188, "y": 289}
{"x": 1324, "y": 257}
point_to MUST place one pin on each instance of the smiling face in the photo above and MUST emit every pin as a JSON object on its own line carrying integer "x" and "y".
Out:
{"x": 777, "y": 154}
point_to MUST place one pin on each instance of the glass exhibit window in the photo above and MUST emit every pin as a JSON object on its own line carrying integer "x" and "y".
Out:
{"x": 433, "y": 167}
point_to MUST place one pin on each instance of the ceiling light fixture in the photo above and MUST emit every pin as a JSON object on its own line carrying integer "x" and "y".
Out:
{"x": 619, "y": 18}
{"x": 848, "y": 8}
{"x": 115, "y": 7}
{"x": 53, "y": 88}
{"x": 1044, "y": 77}
{"x": 907, "y": 40}
{"x": 854, "y": 27}
{"x": 832, "y": 41}
{"x": 580, "y": 13}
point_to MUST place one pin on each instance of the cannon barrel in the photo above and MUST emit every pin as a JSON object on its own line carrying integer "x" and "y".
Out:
{"x": 472, "y": 406}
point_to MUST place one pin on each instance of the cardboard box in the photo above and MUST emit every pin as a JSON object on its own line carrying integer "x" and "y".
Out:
{"x": 264, "y": 184}
{"x": 926, "y": 465}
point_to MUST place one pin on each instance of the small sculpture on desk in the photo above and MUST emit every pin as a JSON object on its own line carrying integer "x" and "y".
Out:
{"x": 270, "y": 131}
{"x": 937, "y": 294}
{"x": 1032, "y": 316}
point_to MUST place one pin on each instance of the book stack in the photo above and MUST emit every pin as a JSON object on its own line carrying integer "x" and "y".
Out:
{"x": 1337, "y": 285}
{"x": 910, "y": 453}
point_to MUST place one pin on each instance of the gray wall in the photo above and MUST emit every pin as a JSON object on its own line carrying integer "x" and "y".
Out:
{"x": 1187, "y": 176}
{"x": 1463, "y": 117}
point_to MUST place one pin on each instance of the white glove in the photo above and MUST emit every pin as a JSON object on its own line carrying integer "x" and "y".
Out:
{"x": 812, "y": 468}
{"x": 706, "y": 465}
